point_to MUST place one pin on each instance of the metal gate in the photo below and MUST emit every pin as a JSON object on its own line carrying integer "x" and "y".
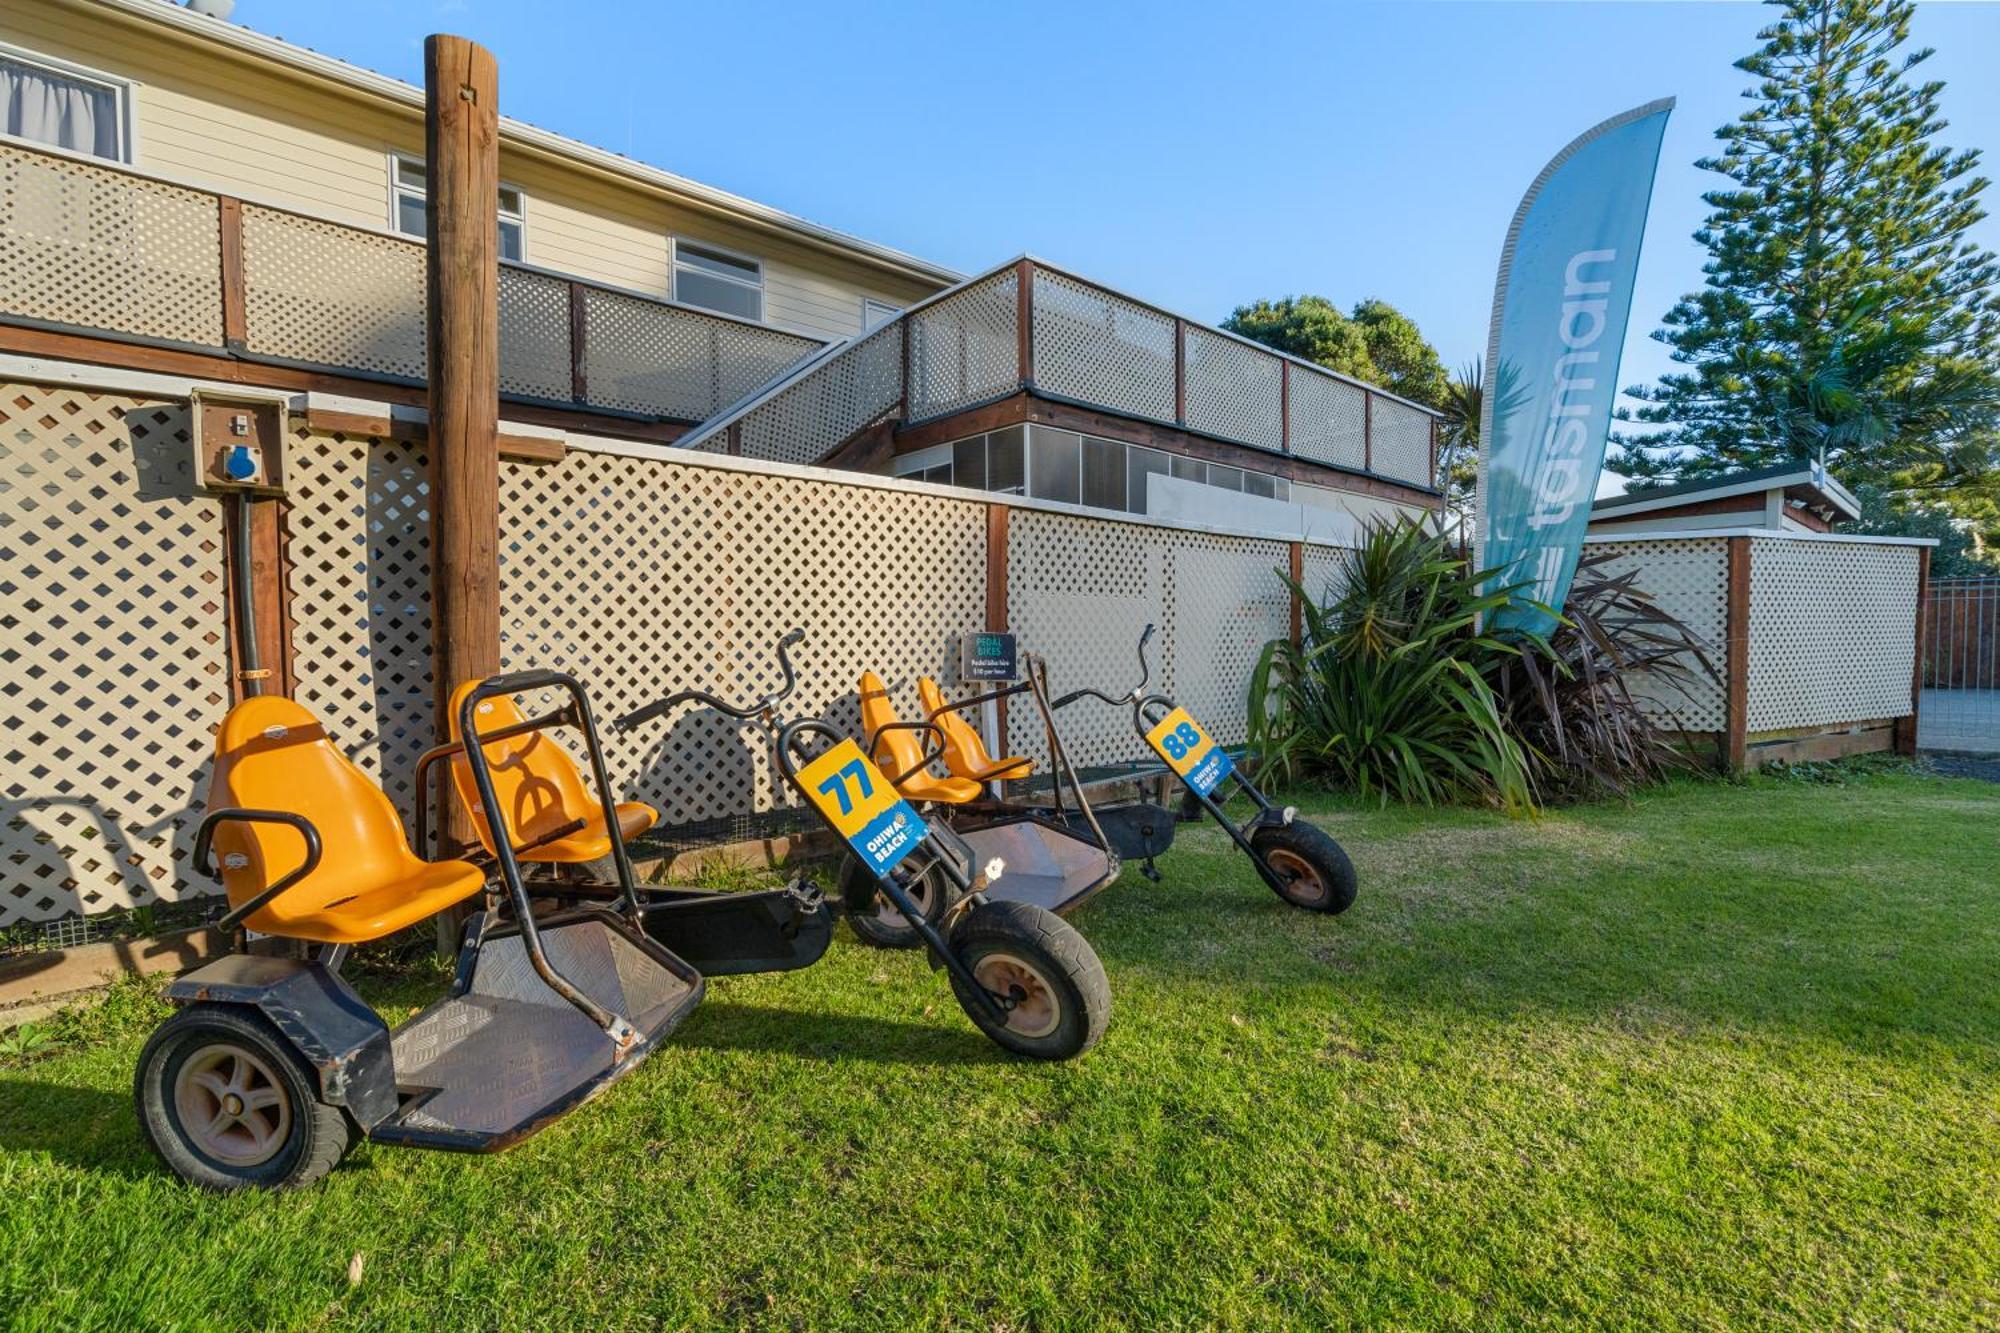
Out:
{"x": 1959, "y": 711}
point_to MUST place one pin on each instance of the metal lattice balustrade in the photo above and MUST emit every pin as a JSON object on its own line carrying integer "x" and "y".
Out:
{"x": 104, "y": 249}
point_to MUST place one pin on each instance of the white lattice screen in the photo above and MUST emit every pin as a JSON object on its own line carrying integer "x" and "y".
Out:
{"x": 359, "y": 549}
{"x": 1080, "y": 590}
{"x": 1323, "y": 571}
{"x": 1689, "y": 580}
{"x": 534, "y": 335}
{"x": 1400, "y": 443}
{"x": 1832, "y": 632}
{"x": 966, "y": 348}
{"x": 1329, "y": 420}
{"x": 645, "y": 577}
{"x": 1097, "y": 347}
{"x": 87, "y": 245}
{"x": 113, "y": 669}
{"x": 1233, "y": 390}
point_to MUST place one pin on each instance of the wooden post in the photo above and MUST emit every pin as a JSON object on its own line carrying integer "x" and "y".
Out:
{"x": 462, "y": 280}
{"x": 996, "y": 605}
{"x": 1736, "y": 656}
{"x": 1180, "y": 372}
{"x": 235, "y": 307}
{"x": 1298, "y": 600}
{"x": 579, "y": 346}
{"x": 1024, "y": 321}
{"x": 1906, "y": 727}
{"x": 269, "y": 593}
{"x": 1285, "y": 406}
{"x": 1367, "y": 432}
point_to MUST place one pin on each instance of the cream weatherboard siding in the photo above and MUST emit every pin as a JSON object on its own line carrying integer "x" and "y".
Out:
{"x": 205, "y": 116}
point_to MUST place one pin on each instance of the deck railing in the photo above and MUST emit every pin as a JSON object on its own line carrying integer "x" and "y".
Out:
{"x": 104, "y": 250}
{"x": 1030, "y": 326}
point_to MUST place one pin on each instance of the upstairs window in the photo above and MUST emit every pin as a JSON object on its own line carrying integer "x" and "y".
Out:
{"x": 410, "y": 206}
{"x": 717, "y": 279}
{"x": 64, "y": 106}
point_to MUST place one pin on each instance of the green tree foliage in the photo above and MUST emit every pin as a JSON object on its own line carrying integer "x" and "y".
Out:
{"x": 1374, "y": 342}
{"x": 1959, "y": 553}
{"x": 1845, "y": 309}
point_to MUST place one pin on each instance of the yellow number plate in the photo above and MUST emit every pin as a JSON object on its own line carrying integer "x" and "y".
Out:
{"x": 1179, "y": 740}
{"x": 863, "y": 806}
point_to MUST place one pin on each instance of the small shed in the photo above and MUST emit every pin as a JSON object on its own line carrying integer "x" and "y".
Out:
{"x": 1787, "y": 498}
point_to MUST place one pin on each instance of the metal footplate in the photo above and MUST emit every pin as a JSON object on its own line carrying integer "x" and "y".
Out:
{"x": 492, "y": 1063}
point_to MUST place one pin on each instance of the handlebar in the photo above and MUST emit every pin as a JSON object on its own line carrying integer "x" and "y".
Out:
{"x": 1130, "y": 696}
{"x": 745, "y": 712}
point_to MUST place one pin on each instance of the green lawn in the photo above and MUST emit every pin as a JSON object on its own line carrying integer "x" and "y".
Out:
{"x": 1726, "y": 1056}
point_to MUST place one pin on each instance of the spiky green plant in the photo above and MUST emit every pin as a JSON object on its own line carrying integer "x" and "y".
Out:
{"x": 1388, "y": 690}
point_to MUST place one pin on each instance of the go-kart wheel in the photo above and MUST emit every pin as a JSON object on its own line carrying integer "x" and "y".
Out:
{"x": 228, "y": 1104}
{"x": 1316, "y": 871}
{"x": 1049, "y": 981}
{"x": 876, "y": 920}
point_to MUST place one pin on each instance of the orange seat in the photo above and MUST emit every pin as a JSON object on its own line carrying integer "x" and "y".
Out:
{"x": 271, "y": 754}
{"x": 901, "y": 752}
{"x": 540, "y": 790}
{"x": 964, "y": 752}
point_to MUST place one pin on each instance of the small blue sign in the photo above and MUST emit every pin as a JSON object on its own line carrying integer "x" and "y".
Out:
{"x": 889, "y": 837}
{"x": 1211, "y": 770}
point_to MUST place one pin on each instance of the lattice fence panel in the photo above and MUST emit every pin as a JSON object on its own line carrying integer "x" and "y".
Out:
{"x": 1832, "y": 632}
{"x": 359, "y": 548}
{"x": 1323, "y": 571}
{"x": 83, "y": 245}
{"x": 1329, "y": 419}
{"x": 113, "y": 665}
{"x": 849, "y": 391}
{"x": 1689, "y": 580}
{"x": 1098, "y": 348}
{"x": 534, "y": 335}
{"x": 966, "y": 348}
{"x": 332, "y": 295}
{"x": 1079, "y": 591}
{"x": 1401, "y": 447}
{"x": 1226, "y": 599}
{"x": 1233, "y": 390}
{"x": 645, "y": 577}
{"x": 664, "y": 360}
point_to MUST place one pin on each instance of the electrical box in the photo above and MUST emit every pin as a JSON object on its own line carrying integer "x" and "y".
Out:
{"x": 988, "y": 656}
{"x": 238, "y": 440}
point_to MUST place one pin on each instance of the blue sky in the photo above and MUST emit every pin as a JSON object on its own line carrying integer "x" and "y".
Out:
{"x": 1195, "y": 156}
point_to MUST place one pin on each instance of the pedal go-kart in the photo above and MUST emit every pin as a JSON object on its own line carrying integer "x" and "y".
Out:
{"x": 1299, "y": 861}
{"x": 1056, "y": 855}
{"x": 273, "y": 1067}
{"x": 1026, "y": 978}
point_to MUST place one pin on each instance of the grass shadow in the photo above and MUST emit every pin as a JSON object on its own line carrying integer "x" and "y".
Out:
{"x": 834, "y": 1038}
{"x": 87, "y": 1128}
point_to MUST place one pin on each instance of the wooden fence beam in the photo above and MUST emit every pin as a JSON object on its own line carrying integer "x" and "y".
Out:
{"x": 1024, "y": 321}
{"x": 1906, "y": 727}
{"x": 1298, "y": 602}
{"x": 1736, "y": 732}
{"x": 235, "y": 305}
{"x": 462, "y": 276}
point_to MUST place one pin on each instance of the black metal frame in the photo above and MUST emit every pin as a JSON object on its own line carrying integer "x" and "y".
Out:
{"x": 786, "y": 741}
{"x": 1147, "y": 712}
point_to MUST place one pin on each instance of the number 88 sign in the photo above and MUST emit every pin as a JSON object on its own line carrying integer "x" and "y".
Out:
{"x": 1179, "y": 740}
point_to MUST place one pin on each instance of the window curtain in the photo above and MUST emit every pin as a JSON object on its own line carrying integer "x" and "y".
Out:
{"x": 50, "y": 108}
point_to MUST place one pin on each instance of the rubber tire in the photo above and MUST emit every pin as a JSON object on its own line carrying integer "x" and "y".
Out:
{"x": 1316, "y": 847}
{"x": 1060, "y": 953}
{"x": 857, "y": 885}
{"x": 321, "y": 1134}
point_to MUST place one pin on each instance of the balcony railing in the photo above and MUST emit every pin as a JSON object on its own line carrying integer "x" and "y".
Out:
{"x": 1030, "y": 326}
{"x": 100, "y": 249}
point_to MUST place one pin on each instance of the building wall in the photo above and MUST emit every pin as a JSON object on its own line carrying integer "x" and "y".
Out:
{"x": 207, "y": 116}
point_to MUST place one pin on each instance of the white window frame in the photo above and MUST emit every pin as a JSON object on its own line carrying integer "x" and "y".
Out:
{"x": 889, "y": 312}
{"x": 119, "y": 88}
{"x": 674, "y": 244}
{"x": 397, "y": 190}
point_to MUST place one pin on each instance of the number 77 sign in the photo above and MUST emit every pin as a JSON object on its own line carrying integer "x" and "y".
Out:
{"x": 863, "y": 806}
{"x": 1179, "y": 740}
